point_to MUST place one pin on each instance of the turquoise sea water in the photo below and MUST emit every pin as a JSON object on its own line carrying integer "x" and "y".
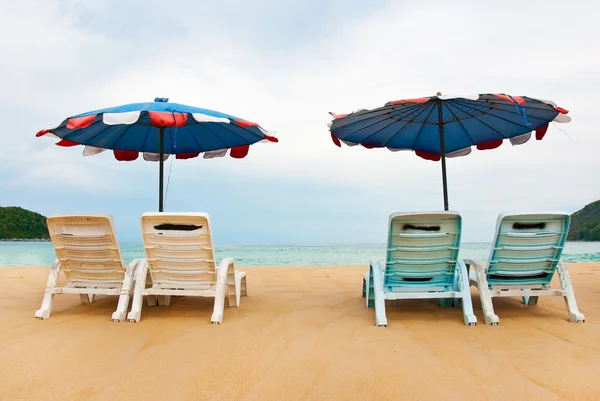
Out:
{"x": 42, "y": 253}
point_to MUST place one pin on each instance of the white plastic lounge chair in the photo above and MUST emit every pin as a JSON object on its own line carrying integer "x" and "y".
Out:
{"x": 421, "y": 262}
{"x": 181, "y": 261}
{"x": 525, "y": 253}
{"x": 88, "y": 255}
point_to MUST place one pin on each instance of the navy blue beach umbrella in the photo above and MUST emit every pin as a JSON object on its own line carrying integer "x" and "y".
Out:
{"x": 157, "y": 130}
{"x": 439, "y": 126}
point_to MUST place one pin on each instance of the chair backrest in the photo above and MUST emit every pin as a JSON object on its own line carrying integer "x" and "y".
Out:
{"x": 422, "y": 250}
{"x": 527, "y": 248}
{"x": 179, "y": 250}
{"x": 87, "y": 248}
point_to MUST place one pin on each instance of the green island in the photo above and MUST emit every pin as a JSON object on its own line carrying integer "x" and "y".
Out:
{"x": 585, "y": 223}
{"x": 18, "y": 224}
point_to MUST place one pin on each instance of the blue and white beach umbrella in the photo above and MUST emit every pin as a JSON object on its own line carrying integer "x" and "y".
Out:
{"x": 159, "y": 129}
{"x": 439, "y": 126}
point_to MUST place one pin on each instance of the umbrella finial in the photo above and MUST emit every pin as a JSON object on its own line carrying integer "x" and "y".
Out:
{"x": 439, "y": 94}
{"x": 161, "y": 99}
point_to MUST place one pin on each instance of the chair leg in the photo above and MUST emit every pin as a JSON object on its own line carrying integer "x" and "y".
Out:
{"x": 370, "y": 296}
{"x": 380, "y": 315}
{"x": 486, "y": 298}
{"x": 378, "y": 296}
{"x": 135, "y": 313}
{"x": 243, "y": 287}
{"x": 446, "y": 302}
{"x": 565, "y": 282}
{"x": 45, "y": 309}
{"x": 163, "y": 300}
{"x": 531, "y": 300}
{"x": 240, "y": 287}
{"x": 87, "y": 298}
{"x": 225, "y": 289}
{"x": 462, "y": 283}
{"x": 119, "y": 314}
{"x": 126, "y": 290}
{"x": 233, "y": 295}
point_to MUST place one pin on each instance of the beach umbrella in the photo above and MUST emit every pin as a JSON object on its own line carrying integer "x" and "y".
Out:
{"x": 439, "y": 126}
{"x": 157, "y": 130}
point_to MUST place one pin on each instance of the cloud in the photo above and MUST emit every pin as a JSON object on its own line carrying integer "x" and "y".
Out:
{"x": 286, "y": 66}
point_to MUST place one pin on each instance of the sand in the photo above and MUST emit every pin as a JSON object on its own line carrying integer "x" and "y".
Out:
{"x": 303, "y": 333}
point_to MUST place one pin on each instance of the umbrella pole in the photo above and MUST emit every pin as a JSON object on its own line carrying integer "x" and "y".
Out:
{"x": 443, "y": 154}
{"x": 161, "y": 169}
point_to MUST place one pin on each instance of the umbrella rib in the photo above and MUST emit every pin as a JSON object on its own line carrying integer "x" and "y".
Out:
{"x": 194, "y": 139}
{"x": 225, "y": 126}
{"x": 400, "y": 113}
{"x": 387, "y": 112}
{"x": 461, "y": 124}
{"x": 545, "y": 106}
{"x": 394, "y": 120}
{"x": 217, "y": 136}
{"x": 530, "y": 112}
{"x": 512, "y": 109}
{"x": 493, "y": 115}
{"x": 424, "y": 107}
{"x": 422, "y": 126}
{"x": 146, "y": 136}
{"x": 484, "y": 123}
{"x": 94, "y": 136}
{"x": 112, "y": 146}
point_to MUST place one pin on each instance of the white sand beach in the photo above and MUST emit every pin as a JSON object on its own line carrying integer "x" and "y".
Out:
{"x": 303, "y": 333}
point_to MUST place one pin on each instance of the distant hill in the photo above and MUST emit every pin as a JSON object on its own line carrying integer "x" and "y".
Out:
{"x": 17, "y": 223}
{"x": 585, "y": 223}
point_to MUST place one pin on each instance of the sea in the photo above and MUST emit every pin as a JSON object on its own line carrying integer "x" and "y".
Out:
{"x": 42, "y": 253}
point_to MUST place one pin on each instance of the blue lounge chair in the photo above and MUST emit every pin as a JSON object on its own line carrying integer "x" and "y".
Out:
{"x": 525, "y": 253}
{"x": 422, "y": 262}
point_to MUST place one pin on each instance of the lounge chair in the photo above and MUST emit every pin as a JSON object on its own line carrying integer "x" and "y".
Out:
{"x": 421, "y": 262}
{"x": 88, "y": 255}
{"x": 181, "y": 261}
{"x": 525, "y": 253}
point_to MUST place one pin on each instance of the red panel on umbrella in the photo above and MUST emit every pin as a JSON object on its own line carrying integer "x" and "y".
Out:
{"x": 271, "y": 138}
{"x": 245, "y": 124}
{"x": 80, "y": 122}
{"x": 428, "y": 156}
{"x": 415, "y": 100}
{"x": 540, "y": 132}
{"x": 520, "y": 101}
{"x": 66, "y": 143}
{"x": 239, "y": 152}
{"x": 166, "y": 119}
{"x": 561, "y": 110}
{"x": 336, "y": 141}
{"x": 337, "y": 115}
{"x": 183, "y": 156}
{"x": 489, "y": 145}
{"x": 125, "y": 155}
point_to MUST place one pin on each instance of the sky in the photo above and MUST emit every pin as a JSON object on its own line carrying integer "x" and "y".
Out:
{"x": 285, "y": 65}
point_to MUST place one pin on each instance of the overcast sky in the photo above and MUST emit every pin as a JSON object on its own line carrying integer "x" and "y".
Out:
{"x": 285, "y": 65}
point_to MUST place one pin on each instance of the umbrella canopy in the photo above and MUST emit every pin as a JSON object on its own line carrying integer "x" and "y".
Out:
{"x": 159, "y": 129}
{"x": 439, "y": 126}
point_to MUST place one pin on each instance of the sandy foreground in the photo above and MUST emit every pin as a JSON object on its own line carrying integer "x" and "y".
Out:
{"x": 303, "y": 333}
